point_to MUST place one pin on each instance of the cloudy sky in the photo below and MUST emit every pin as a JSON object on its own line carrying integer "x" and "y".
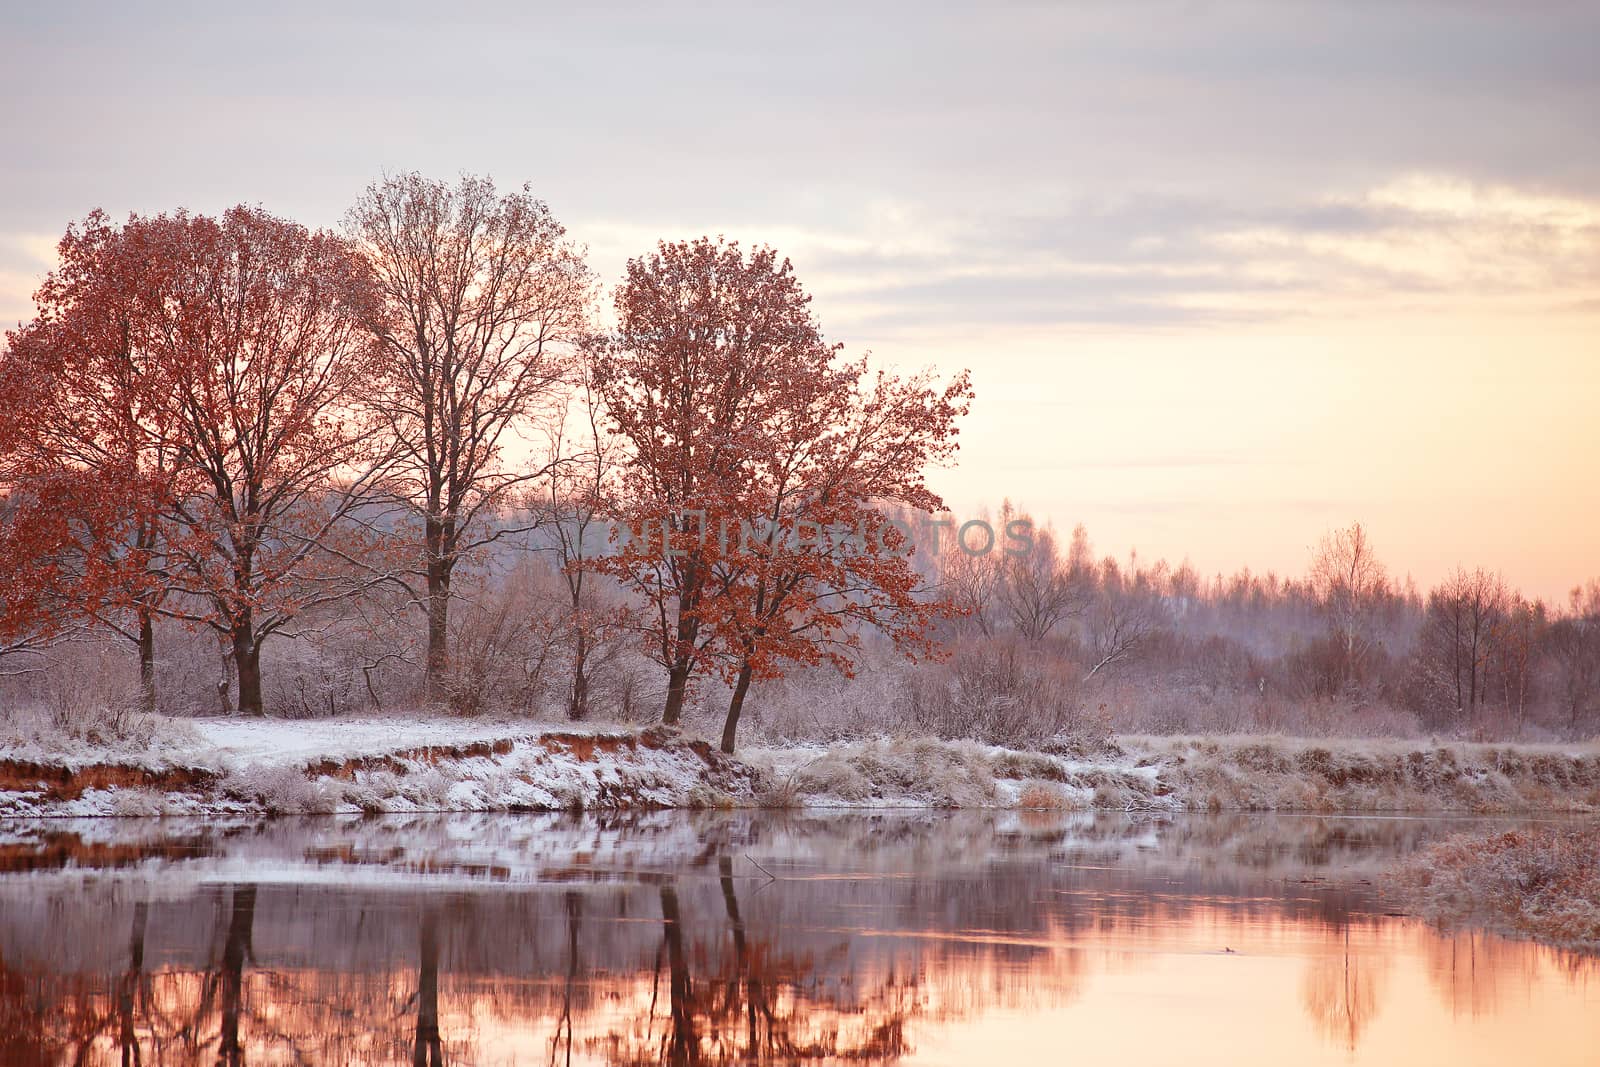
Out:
{"x": 1226, "y": 275}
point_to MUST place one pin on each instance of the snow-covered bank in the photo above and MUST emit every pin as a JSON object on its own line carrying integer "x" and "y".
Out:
{"x": 242, "y": 767}
{"x": 247, "y": 767}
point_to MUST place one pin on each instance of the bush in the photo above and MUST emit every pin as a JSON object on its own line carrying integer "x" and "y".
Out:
{"x": 1542, "y": 882}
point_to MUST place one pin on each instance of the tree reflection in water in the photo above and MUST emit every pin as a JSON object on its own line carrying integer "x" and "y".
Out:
{"x": 1341, "y": 992}
{"x": 639, "y": 942}
{"x": 427, "y": 1051}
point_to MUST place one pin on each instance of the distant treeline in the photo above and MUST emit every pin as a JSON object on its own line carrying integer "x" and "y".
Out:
{"x": 1249, "y": 651}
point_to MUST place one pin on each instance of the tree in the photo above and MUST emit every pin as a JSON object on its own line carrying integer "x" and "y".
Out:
{"x": 251, "y": 330}
{"x": 187, "y": 376}
{"x": 1039, "y": 589}
{"x": 1518, "y": 638}
{"x": 483, "y": 298}
{"x": 1573, "y": 641}
{"x": 1120, "y": 617}
{"x": 748, "y": 446}
{"x": 572, "y": 506}
{"x": 1463, "y": 616}
{"x": 708, "y": 344}
{"x": 972, "y": 583}
{"x": 1351, "y": 585}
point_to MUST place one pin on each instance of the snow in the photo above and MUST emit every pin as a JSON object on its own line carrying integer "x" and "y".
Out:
{"x": 278, "y": 742}
{"x": 268, "y": 766}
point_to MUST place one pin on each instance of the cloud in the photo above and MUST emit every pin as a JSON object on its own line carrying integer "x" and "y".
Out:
{"x": 1173, "y": 165}
{"x": 1410, "y": 243}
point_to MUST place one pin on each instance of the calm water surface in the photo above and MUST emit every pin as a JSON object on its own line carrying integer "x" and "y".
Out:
{"x": 735, "y": 938}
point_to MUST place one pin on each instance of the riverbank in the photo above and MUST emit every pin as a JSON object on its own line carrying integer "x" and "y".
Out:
{"x": 1541, "y": 882}
{"x": 253, "y": 767}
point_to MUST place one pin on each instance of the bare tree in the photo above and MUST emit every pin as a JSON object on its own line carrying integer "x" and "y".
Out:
{"x": 1350, "y": 584}
{"x": 1039, "y": 590}
{"x": 1512, "y": 657}
{"x": 972, "y": 582}
{"x": 572, "y": 503}
{"x": 1574, "y": 644}
{"x": 1121, "y": 616}
{"x": 484, "y": 298}
{"x": 1464, "y": 614}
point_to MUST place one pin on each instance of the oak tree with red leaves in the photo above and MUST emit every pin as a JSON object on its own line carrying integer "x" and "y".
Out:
{"x": 741, "y": 425}
{"x": 226, "y": 350}
{"x": 263, "y": 329}
{"x": 705, "y": 345}
{"x": 483, "y": 299}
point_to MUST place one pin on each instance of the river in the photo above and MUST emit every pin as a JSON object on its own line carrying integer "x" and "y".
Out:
{"x": 734, "y": 937}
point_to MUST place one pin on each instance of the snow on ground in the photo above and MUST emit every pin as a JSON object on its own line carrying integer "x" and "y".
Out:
{"x": 240, "y": 766}
{"x": 277, "y": 742}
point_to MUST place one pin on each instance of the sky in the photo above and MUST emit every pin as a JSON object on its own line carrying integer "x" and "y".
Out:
{"x": 1226, "y": 275}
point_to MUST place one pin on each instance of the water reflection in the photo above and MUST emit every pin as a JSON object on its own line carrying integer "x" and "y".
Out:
{"x": 739, "y": 938}
{"x": 1342, "y": 991}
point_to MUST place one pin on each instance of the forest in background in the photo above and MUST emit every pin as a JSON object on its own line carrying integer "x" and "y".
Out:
{"x": 253, "y": 468}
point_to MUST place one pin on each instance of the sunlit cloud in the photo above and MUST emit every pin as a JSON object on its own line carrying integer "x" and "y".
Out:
{"x": 1436, "y": 241}
{"x": 1425, "y": 244}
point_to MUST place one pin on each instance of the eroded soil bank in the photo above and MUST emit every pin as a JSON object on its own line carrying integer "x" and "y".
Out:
{"x": 244, "y": 767}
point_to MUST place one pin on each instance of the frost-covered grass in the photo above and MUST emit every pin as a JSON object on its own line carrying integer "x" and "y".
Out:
{"x": 1249, "y": 773}
{"x": 108, "y": 733}
{"x": 925, "y": 772}
{"x": 1541, "y": 882}
{"x": 1192, "y": 774}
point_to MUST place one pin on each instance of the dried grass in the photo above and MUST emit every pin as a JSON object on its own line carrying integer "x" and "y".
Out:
{"x": 1541, "y": 882}
{"x": 1321, "y": 775}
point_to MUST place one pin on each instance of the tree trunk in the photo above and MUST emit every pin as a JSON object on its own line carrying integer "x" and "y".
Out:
{"x": 224, "y": 674}
{"x": 235, "y": 951}
{"x": 677, "y": 691}
{"x": 736, "y": 705}
{"x": 247, "y": 666}
{"x": 439, "y": 570}
{"x": 683, "y": 1047}
{"x": 688, "y": 629}
{"x": 1455, "y": 662}
{"x": 147, "y": 662}
{"x": 1472, "y": 678}
{"x": 578, "y": 704}
{"x": 427, "y": 1050}
{"x": 438, "y": 664}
